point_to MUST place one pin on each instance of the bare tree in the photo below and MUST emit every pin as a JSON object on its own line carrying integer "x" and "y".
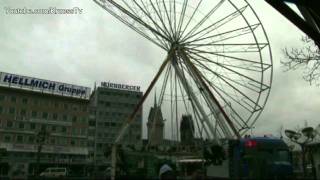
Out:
{"x": 306, "y": 58}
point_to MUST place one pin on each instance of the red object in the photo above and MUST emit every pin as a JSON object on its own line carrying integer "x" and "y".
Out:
{"x": 250, "y": 144}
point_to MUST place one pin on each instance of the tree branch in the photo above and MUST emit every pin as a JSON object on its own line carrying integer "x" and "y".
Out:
{"x": 306, "y": 58}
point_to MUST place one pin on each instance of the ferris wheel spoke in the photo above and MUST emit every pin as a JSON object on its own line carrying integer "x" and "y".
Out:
{"x": 253, "y": 67}
{"x": 258, "y": 84}
{"x": 225, "y": 78}
{"x": 159, "y": 15}
{"x": 254, "y": 64}
{"x": 162, "y": 41}
{"x": 227, "y": 94}
{"x": 234, "y": 33}
{"x": 144, "y": 9}
{"x": 136, "y": 29}
{"x": 241, "y": 66}
{"x": 232, "y": 82}
{"x": 149, "y": 16}
{"x": 132, "y": 16}
{"x": 216, "y": 25}
{"x": 168, "y": 17}
{"x": 193, "y": 13}
{"x": 226, "y": 82}
{"x": 228, "y": 47}
{"x": 181, "y": 18}
{"x": 204, "y": 19}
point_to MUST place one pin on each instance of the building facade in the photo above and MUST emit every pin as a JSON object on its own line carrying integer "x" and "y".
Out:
{"x": 29, "y": 106}
{"x": 110, "y": 106}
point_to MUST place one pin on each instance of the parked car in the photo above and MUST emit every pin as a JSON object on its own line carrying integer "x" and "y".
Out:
{"x": 55, "y": 172}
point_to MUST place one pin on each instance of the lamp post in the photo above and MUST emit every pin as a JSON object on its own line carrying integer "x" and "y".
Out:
{"x": 309, "y": 134}
{"x": 41, "y": 138}
{"x": 3, "y": 152}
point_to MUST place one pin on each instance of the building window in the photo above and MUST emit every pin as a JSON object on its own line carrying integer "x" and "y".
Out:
{"x": 21, "y": 125}
{"x": 45, "y": 115}
{"x": 19, "y": 139}
{"x": 84, "y": 109}
{"x": 31, "y": 139}
{"x": 34, "y": 114}
{"x": 84, "y": 120}
{"x": 7, "y": 138}
{"x": 55, "y": 116}
{"x": 43, "y": 127}
{"x": 83, "y": 143}
{"x": 83, "y": 131}
{"x": 91, "y": 132}
{"x": 63, "y": 141}
{"x": 65, "y": 106}
{"x": 23, "y": 112}
{"x": 9, "y": 124}
{"x": 52, "y": 141}
{"x": 72, "y": 142}
{"x": 13, "y": 99}
{"x": 74, "y": 131}
{"x": 65, "y": 118}
{"x": 24, "y": 101}
{"x": 35, "y": 102}
{"x": 75, "y": 107}
{"x": 53, "y": 129}
{"x": 32, "y": 126}
{"x": 12, "y": 110}
{"x": 64, "y": 129}
{"x": 1, "y": 109}
{"x": 2, "y": 97}
{"x": 74, "y": 119}
{"x": 92, "y": 123}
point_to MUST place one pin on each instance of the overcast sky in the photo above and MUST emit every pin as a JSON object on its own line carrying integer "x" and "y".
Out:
{"x": 93, "y": 46}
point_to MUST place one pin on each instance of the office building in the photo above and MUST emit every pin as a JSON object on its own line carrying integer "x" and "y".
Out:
{"x": 29, "y": 106}
{"x": 110, "y": 106}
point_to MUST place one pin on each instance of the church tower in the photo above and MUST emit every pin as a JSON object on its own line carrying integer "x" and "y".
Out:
{"x": 155, "y": 125}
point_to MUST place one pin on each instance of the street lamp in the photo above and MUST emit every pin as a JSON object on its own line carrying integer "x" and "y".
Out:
{"x": 41, "y": 138}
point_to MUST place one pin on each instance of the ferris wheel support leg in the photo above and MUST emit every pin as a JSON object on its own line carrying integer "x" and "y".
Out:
{"x": 132, "y": 116}
{"x": 211, "y": 96}
{"x": 194, "y": 98}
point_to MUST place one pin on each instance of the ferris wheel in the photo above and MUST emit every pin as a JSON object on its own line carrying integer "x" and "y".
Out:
{"x": 218, "y": 67}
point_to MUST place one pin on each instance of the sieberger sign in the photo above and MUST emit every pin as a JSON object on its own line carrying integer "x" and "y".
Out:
{"x": 46, "y": 86}
{"x": 120, "y": 86}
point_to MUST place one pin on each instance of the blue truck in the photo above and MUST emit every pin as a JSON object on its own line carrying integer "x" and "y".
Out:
{"x": 251, "y": 158}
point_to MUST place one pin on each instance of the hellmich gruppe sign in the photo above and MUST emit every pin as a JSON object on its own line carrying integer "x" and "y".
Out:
{"x": 45, "y": 86}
